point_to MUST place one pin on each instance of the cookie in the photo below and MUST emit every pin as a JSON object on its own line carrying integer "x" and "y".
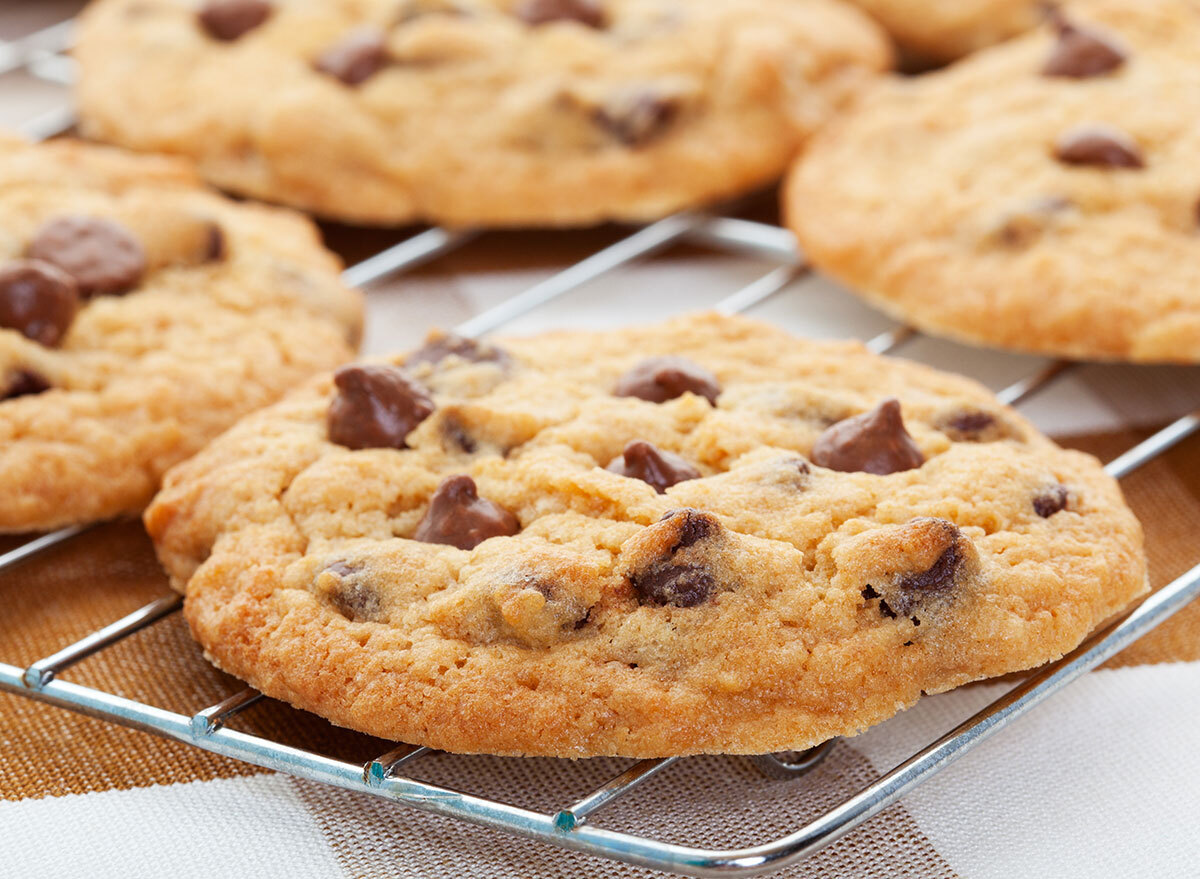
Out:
{"x": 1039, "y": 196}
{"x": 141, "y": 315}
{"x": 703, "y": 536}
{"x": 475, "y": 112}
{"x": 933, "y": 31}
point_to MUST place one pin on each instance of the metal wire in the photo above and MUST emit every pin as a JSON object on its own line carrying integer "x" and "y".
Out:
{"x": 570, "y": 826}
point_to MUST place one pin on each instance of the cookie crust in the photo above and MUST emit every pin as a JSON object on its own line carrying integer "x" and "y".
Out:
{"x": 768, "y": 604}
{"x": 470, "y": 115}
{"x": 999, "y": 205}
{"x": 142, "y": 379}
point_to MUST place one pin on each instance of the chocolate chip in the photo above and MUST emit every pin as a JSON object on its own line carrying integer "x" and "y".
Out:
{"x": 678, "y": 585}
{"x": 357, "y": 57}
{"x": 912, "y": 589}
{"x": 458, "y": 516}
{"x": 1082, "y": 52}
{"x": 586, "y": 12}
{"x": 350, "y": 596}
{"x": 1052, "y": 500}
{"x": 38, "y": 300}
{"x": 102, "y": 256}
{"x": 971, "y": 422}
{"x": 376, "y": 407}
{"x": 644, "y": 461}
{"x": 1098, "y": 145}
{"x": 637, "y": 116}
{"x": 874, "y": 442}
{"x": 693, "y": 527}
{"x": 1026, "y": 222}
{"x": 229, "y": 19}
{"x": 869, "y": 593}
{"x": 457, "y": 436}
{"x": 216, "y": 249}
{"x": 451, "y": 345}
{"x": 23, "y": 383}
{"x": 659, "y": 379}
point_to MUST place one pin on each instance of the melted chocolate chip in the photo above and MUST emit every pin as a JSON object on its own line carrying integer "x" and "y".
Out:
{"x": 678, "y": 585}
{"x": 451, "y": 345}
{"x": 357, "y": 57}
{"x": 38, "y": 300}
{"x": 874, "y": 442}
{"x": 869, "y": 593}
{"x": 376, "y": 407}
{"x": 229, "y": 19}
{"x": 1052, "y": 500}
{"x": 658, "y": 379}
{"x": 586, "y": 12}
{"x": 1100, "y": 146}
{"x": 23, "y": 383}
{"x": 352, "y": 598}
{"x": 644, "y": 461}
{"x": 1082, "y": 52}
{"x": 102, "y": 256}
{"x": 696, "y": 526}
{"x": 912, "y": 589}
{"x": 638, "y": 116}
{"x": 458, "y": 516}
{"x": 457, "y": 436}
{"x": 216, "y": 249}
{"x": 971, "y": 422}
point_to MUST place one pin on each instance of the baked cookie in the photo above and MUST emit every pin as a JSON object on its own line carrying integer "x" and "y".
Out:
{"x": 141, "y": 315}
{"x": 931, "y": 31}
{"x": 703, "y": 536}
{"x": 1041, "y": 195}
{"x": 474, "y": 112}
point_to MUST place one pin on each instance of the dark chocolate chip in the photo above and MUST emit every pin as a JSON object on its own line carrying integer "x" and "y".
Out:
{"x": 1052, "y": 500}
{"x": 678, "y": 585}
{"x": 912, "y": 589}
{"x": 376, "y": 407}
{"x": 644, "y": 461}
{"x": 357, "y": 57}
{"x": 229, "y": 19}
{"x": 352, "y": 598}
{"x": 885, "y": 610}
{"x": 23, "y": 383}
{"x": 874, "y": 442}
{"x": 1082, "y": 52}
{"x": 971, "y": 422}
{"x": 1098, "y": 145}
{"x": 457, "y": 436}
{"x": 869, "y": 593}
{"x": 659, "y": 379}
{"x": 586, "y": 12}
{"x": 458, "y": 516}
{"x": 696, "y": 526}
{"x": 636, "y": 117}
{"x": 38, "y": 300}
{"x": 102, "y": 256}
{"x": 216, "y": 249}
{"x": 451, "y": 345}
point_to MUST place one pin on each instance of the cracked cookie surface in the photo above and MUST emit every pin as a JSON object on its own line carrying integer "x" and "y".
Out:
{"x": 1041, "y": 195}
{"x": 541, "y": 566}
{"x": 475, "y": 112}
{"x": 141, "y": 315}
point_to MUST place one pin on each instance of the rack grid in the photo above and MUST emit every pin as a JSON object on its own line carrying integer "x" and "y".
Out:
{"x": 43, "y": 55}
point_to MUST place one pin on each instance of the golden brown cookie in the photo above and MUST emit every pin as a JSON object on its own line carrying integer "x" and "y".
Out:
{"x": 931, "y": 31}
{"x": 1041, "y": 195}
{"x": 552, "y": 546}
{"x": 141, "y": 315}
{"x": 475, "y": 112}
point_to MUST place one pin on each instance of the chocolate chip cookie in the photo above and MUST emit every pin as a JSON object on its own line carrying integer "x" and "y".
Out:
{"x": 932, "y": 31}
{"x": 141, "y": 315}
{"x": 475, "y": 112}
{"x": 703, "y": 536}
{"x": 1041, "y": 195}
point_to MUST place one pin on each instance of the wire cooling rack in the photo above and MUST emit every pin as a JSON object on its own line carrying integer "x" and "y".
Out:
{"x": 574, "y": 825}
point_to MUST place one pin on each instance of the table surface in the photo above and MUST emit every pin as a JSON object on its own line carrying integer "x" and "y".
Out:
{"x": 1108, "y": 767}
